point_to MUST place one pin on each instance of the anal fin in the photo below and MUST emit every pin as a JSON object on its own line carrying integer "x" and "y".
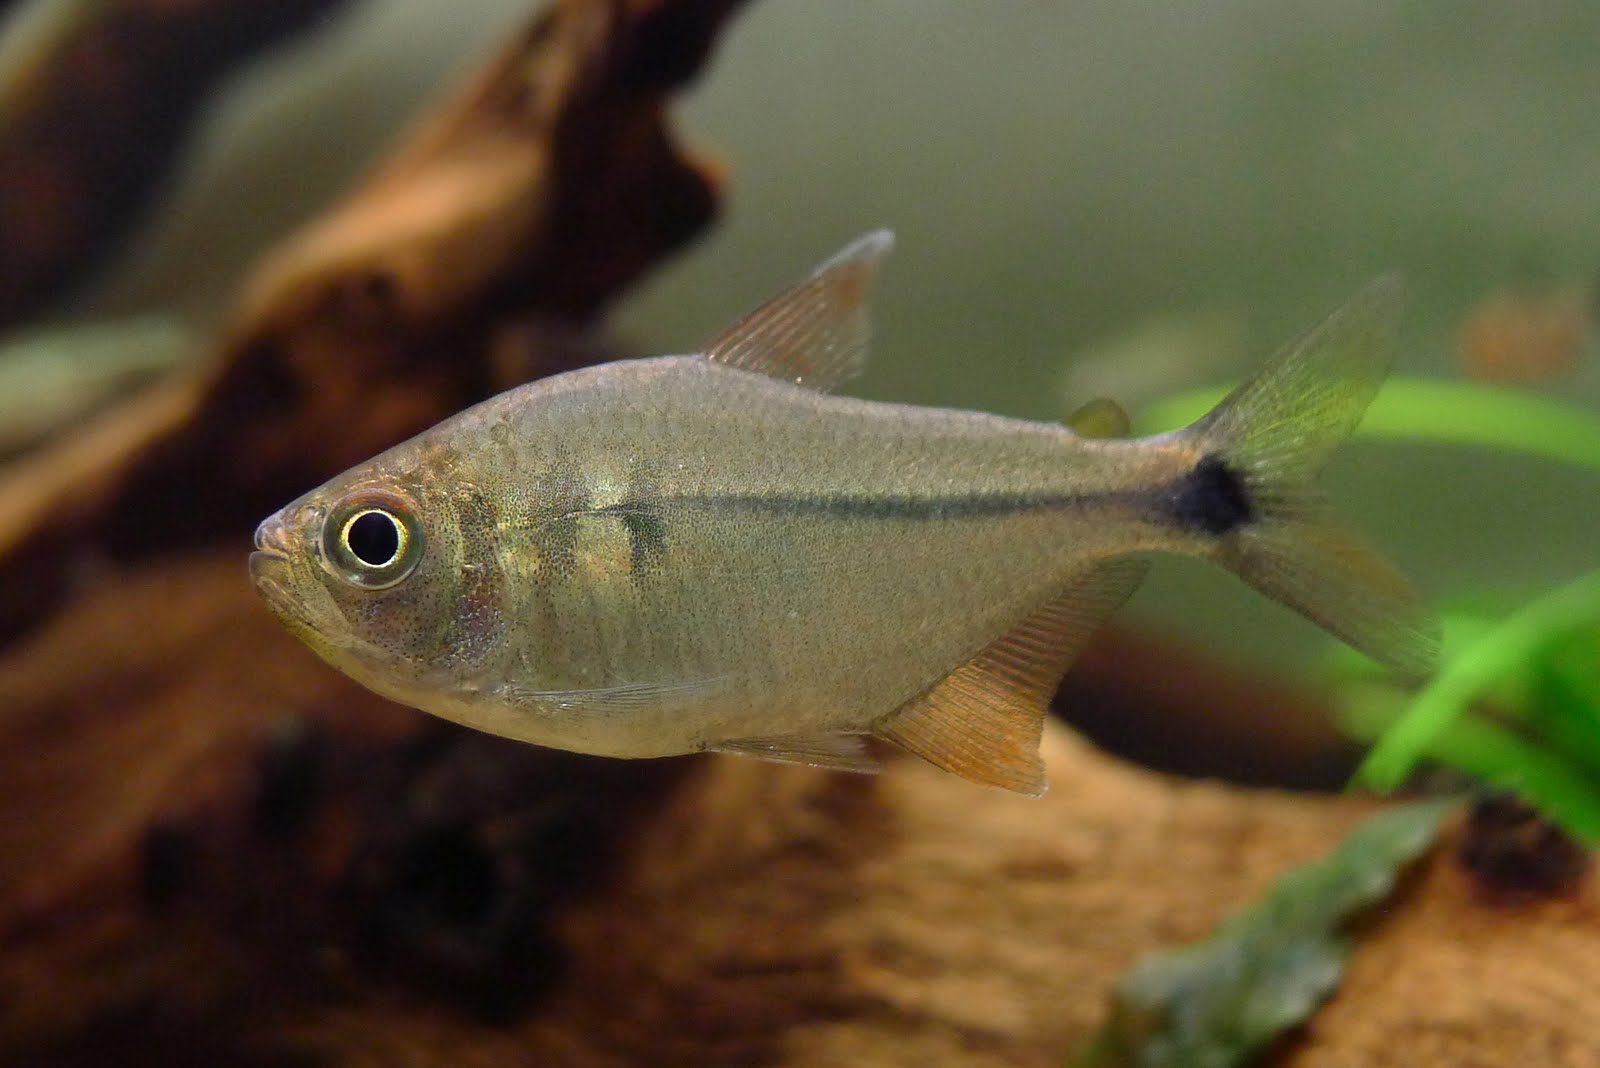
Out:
{"x": 983, "y": 721}
{"x": 837, "y": 752}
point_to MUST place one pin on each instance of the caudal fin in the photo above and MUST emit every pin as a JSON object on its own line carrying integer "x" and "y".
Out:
{"x": 1262, "y": 448}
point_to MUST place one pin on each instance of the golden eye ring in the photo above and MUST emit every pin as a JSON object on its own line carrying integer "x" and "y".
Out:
{"x": 373, "y": 539}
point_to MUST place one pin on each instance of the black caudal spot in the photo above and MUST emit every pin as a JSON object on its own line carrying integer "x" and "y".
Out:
{"x": 374, "y": 538}
{"x": 1211, "y": 498}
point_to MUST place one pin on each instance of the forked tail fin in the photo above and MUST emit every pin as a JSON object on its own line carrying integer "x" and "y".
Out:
{"x": 1262, "y": 448}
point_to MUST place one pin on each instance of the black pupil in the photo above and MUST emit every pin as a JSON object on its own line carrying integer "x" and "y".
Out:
{"x": 374, "y": 538}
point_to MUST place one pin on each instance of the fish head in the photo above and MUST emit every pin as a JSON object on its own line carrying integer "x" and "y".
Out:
{"x": 387, "y": 572}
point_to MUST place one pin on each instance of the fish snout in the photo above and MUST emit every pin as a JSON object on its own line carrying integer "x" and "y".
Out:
{"x": 269, "y": 564}
{"x": 272, "y": 536}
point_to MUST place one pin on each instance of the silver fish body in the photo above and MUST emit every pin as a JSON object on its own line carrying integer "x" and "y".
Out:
{"x": 701, "y": 552}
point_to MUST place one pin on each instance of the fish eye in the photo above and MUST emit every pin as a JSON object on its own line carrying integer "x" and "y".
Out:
{"x": 375, "y": 537}
{"x": 372, "y": 539}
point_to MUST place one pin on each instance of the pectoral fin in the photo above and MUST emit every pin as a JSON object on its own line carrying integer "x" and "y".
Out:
{"x": 617, "y": 700}
{"x": 814, "y": 333}
{"x": 839, "y": 752}
{"x": 983, "y": 720}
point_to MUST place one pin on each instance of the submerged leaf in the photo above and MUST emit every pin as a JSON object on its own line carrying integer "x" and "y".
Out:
{"x": 1216, "y": 1002}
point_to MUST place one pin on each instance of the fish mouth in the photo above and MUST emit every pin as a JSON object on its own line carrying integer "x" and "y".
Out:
{"x": 269, "y": 564}
{"x": 267, "y": 570}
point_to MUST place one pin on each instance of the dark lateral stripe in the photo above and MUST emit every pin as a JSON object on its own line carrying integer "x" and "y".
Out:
{"x": 962, "y": 506}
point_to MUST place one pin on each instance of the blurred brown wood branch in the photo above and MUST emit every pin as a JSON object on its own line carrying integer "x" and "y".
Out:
{"x": 539, "y": 189}
{"x": 94, "y": 114}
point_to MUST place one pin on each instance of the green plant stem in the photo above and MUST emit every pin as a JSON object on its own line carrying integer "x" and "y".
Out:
{"x": 1497, "y": 652}
{"x": 1459, "y": 413}
{"x": 1495, "y": 755}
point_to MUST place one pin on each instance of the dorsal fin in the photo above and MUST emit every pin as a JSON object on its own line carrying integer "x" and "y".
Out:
{"x": 814, "y": 333}
{"x": 983, "y": 720}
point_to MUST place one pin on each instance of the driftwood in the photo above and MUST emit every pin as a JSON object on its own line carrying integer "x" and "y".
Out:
{"x": 215, "y": 850}
{"x": 236, "y": 857}
{"x": 93, "y": 116}
{"x": 541, "y": 189}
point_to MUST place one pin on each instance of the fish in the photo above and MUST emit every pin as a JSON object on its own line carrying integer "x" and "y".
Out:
{"x": 717, "y": 552}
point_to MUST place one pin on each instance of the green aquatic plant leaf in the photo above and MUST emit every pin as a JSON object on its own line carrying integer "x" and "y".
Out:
{"x": 1459, "y": 413}
{"x": 1564, "y": 702}
{"x": 1268, "y": 966}
{"x": 1543, "y": 774}
{"x": 1503, "y": 649}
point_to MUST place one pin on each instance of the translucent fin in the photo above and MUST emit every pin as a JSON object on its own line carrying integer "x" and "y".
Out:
{"x": 1301, "y": 555}
{"x": 983, "y": 721}
{"x": 837, "y": 752}
{"x": 1262, "y": 447}
{"x": 814, "y": 333}
{"x": 1283, "y": 423}
{"x": 1100, "y": 418}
